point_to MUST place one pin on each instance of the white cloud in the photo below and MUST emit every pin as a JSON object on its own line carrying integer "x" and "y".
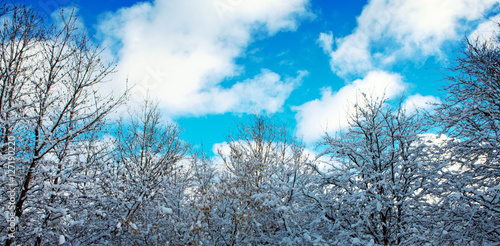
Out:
{"x": 389, "y": 30}
{"x": 487, "y": 32}
{"x": 222, "y": 148}
{"x": 330, "y": 112}
{"x": 325, "y": 40}
{"x": 265, "y": 92}
{"x": 181, "y": 50}
{"x": 418, "y": 101}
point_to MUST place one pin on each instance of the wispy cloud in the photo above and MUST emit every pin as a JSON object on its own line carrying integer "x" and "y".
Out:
{"x": 325, "y": 40}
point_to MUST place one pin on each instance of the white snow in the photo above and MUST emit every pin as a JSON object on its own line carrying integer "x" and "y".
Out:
{"x": 62, "y": 239}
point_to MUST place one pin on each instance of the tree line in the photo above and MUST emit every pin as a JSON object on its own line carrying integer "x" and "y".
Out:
{"x": 74, "y": 176}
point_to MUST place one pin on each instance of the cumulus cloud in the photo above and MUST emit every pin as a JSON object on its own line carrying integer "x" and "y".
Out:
{"x": 330, "y": 112}
{"x": 181, "y": 51}
{"x": 389, "y": 30}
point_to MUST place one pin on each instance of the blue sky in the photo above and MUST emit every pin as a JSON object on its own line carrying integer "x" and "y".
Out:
{"x": 212, "y": 63}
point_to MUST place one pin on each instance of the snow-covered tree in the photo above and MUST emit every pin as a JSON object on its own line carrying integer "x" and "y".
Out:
{"x": 19, "y": 38}
{"x": 470, "y": 115}
{"x": 147, "y": 190}
{"x": 374, "y": 187}
{"x": 256, "y": 192}
{"x": 49, "y": 104}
